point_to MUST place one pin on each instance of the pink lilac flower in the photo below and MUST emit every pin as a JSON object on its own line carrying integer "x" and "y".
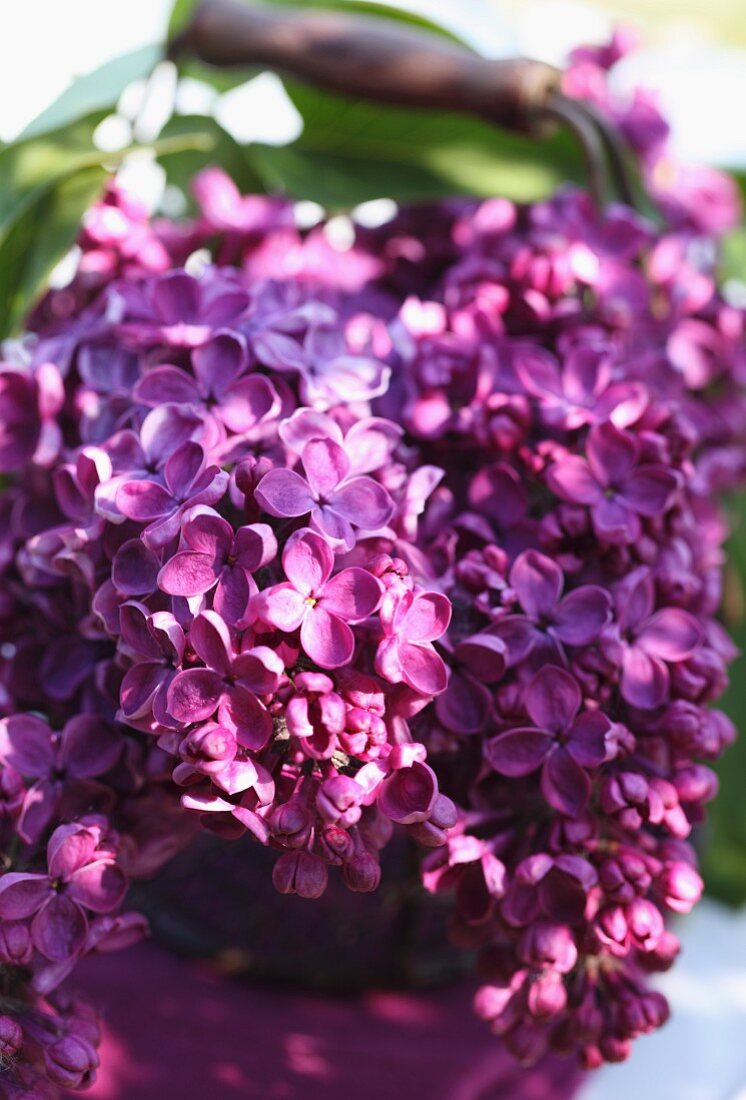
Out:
{"x": 335, "y": 502}
{"x": 406, "y": 654}
{"x": 322, "y": 606}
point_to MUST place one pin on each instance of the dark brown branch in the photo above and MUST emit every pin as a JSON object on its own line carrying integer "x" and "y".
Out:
{"x": 363, "y": 56}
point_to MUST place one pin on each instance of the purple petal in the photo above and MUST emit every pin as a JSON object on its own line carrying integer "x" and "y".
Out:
{"x": 211, "y": 641}
{"x": 427, "y": 618}
{"x": 353, "y": 594}
{"x": 167, "y": 384}
{"x": 22, "y": 894}
{"x": 247, "y": 403}
{"x": 308, "y": 561}
{"x": 334, "y": 527}
{"x": 553, "y": 698}
{"x": 176, "y": 297}
{"x": 90, "y": 746}
{"x": 284, "y": 493}
{"x": 408, "y": 795}
{"x": 571, "y": 479}
{"x": 326, "y": 465}
{"x": 587, "y": 739}
{"x": 326, "y": 639}
{"x": 144, "y": 501}
{"x": 645, "y": 679}
{"x": 26, "y": 745}
{"x": 671, "y": 634}
{"x": 219, "y": 361}
{"x": 498, "y": 492}
{"x": 614, "y": 522}
{"x": 649, "y": 489}
{"x": 611, "y": 453}
{"x": 364, "y": 502}
{"x": 259, "y": 669}
{"x": 205, "y": 531}
{"x": 134, "y": 570}
{"x": 582, "y": 614}
{"x": 99, "y": 886}
{"x": 59, "y": 928}
{"x": 188, "y": 574}
{"x": 484, "y": 655}
{"x": 231, "y": 599}
{"x": 70, "y": 848}
{"x": 193, "y": 696}
{"x": 519, "y": 752}
{"x": 423, "y": 669}
{"x": 244, "y": 714}
{"x": 254, "y": 546}
{"x": 282, "y": 606}
{"x": 139, "y": 685}
{"x": 464, "y": 707}
{"x": 537, "y": 581}
{"x": 564, "y": 784}
{"x": 183, "y": 468}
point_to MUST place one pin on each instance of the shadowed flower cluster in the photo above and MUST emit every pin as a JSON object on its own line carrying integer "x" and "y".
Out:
{"x": 315, "y": 545}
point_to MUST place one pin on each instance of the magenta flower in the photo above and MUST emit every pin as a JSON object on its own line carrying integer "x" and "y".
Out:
{"x": 406, "y": 655}
{"x": 650, "y": 640}
{"x": 178, "y": 310}
{"x": 320, "y": 605}
{"x": 550, "y": 620}
{"x": 562, "y": 742}
{"x": 214, "y": 556}
{"x": 81, "y": 877}
{"x": 614, "y": 483}
{"x": 229, "y": 684}
{"x": 62, "y": 765}
{"x": 335, "y": 501}
{"x": 188, "y": 481}
{"x": 220, "y": 385}
{"x": 156, "y": 644}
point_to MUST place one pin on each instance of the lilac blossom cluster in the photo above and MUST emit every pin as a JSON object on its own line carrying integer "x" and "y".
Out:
{"x": 310, "y": 543}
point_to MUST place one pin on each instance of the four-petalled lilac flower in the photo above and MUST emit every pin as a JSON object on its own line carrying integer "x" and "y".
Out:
{"x": 320, "y": 604}
{"x": 213, "y": 555}
{"x": 615, "y": 483}
{"x": 335, "y": 501}
{"x": 562, "y": 742}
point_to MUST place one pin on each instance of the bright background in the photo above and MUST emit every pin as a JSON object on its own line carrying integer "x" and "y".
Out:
{"x": 696, "y": 57}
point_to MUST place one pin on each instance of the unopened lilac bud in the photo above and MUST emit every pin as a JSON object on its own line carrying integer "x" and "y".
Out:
{"x": 11, "y": 1039}
{"x": 15, "y": 942}
{"x": 300, "y": 873}
{"x": 548, "y": 945}
{"x": 291, "y": 823}
{"x": 362, "y": 873}
{"x": 338, "y": 800}
{"x": 335, "y": 845}
{"x": 615, "y": 1050}
{"x": 645, "y": 923}
{"x": 680, "y": 886}
{"x": 546, "y": 996}
{"x": 70, "y": 1062}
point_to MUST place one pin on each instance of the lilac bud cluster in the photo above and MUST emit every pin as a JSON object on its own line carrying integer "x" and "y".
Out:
{"x": 312, "y": 543}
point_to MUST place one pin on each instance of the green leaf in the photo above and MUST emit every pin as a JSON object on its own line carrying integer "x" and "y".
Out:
{"x": 216, "y": 146}
{"x": 351, "y": 151}
{"x": 39, "y": 236}
{"x": 98, "y": 91}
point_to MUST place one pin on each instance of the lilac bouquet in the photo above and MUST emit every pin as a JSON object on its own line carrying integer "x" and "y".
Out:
{"x": 319, "y": 543}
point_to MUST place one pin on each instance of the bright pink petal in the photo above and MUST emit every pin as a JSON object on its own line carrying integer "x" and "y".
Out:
{"x": 247, "y": 403}
{"x": 423, "y": 669}
{"x": 144, "y": 500}
{"x": 645, "y": 679}
{"x": 353, "y": 594}
{"x": 671, "y": 634}
{"x": 282, "y": 606}
{"x": 245, "y": 715}
{"x": 326, "y": 465}
{"x": 308, "y": 561}
{"x": 188, "y": 574}
{"x": 99, "y": 886}
{"x": 326, "y": 639}
{"x": 206, "y": 532}
{"x": 427, "y": 618}
{"x": 193, "y": 696}
{"x": 284, "y": 493}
